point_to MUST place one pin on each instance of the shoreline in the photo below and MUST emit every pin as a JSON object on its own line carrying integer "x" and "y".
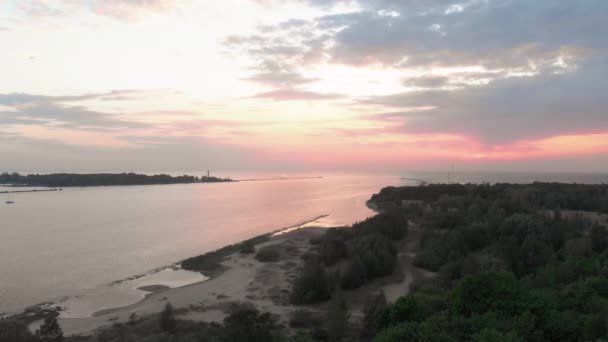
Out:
{"x": 42, "y": 310}
{"x": 208, "y": 300}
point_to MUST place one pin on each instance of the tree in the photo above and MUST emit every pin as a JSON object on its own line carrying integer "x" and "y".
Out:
{"x": 312, "y": 285}
{"x": 599, "y": 238}
{"x": 302, "y": 336}
{"x": 50, "y": 331}
{"x": 493, "y": 335}
{"x": 371, "y": 310}
{"x": 354, "y": 274}
{"x": 337, "y": 317}
{"x": 484, "y": 292}
{"x": 405, "y": 309}
{"x": 167, "y": 320}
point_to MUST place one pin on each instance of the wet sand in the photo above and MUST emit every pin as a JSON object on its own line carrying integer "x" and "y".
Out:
{"x": 244, "y": 280}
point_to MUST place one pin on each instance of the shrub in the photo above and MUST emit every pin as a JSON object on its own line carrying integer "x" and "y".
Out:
{"x": 268, "y": 254}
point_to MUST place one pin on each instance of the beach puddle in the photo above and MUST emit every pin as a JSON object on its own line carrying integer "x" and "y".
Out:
{"x": 126, "y": 292}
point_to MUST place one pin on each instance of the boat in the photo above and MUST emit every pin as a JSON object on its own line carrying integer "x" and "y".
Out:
{"x": 9, "y": 202}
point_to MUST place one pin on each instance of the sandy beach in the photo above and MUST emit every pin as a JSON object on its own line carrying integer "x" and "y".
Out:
{"x": 247, "y": 281}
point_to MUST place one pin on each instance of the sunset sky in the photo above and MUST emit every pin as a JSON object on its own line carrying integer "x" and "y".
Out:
{"x": 170, "y": 85}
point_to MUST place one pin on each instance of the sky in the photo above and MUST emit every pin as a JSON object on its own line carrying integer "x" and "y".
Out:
{"x": 366, "y": 85}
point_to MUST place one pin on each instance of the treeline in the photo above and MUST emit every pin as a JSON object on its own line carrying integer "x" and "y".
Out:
{"x": 513, "y": 197}
{"x": 100, "y": 179}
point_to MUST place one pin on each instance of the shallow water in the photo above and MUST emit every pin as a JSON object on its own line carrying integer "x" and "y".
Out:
{"x": 68, "y": 246}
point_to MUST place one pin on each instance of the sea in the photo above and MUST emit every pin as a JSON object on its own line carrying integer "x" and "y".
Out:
{"x": 91, "y": 248}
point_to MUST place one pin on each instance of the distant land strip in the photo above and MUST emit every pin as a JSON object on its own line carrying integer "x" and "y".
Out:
{"x": 277, "y": 178}
{"x": 33, "y": 190}
{"x": 101, "y": 179}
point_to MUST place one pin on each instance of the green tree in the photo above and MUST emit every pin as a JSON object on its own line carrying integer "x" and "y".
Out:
{"x": 493, "y": 335}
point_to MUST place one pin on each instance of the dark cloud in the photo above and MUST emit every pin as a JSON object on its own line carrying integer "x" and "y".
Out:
{"x": 293, "y": 94}
{"x": 494, "y": 33}
{"x": 427, "y": 81}
{"x": 53, "y": 111}
{"x": 277, "y": 74}
{"x": 511, "y": 109}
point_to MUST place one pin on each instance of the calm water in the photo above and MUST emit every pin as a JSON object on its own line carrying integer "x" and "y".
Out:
{"x": 75, "y": 242}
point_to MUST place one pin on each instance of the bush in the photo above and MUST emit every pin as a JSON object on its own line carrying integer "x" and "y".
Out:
{"x": 268, "y": 254}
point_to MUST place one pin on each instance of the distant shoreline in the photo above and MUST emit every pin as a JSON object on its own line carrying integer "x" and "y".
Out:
{"x": 65, "y": 180}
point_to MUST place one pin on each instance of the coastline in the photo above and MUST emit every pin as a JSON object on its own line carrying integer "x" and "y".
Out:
{"x": 246, "y": 281}
{"x": 239, "y": 282}
{"x": 35, "y": 313}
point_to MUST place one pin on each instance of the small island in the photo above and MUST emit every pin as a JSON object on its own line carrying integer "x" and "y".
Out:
{"x": 102, "y": 179}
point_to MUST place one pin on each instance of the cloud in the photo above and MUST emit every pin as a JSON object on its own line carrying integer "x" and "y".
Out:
{"x": 513, "y": 34}
{"x": 276, "y": 74}
{"x": 293, "y": 94}
{"x": 118, "y": 9}
{"x": 427, "y": 81}
{"x": 510, "y": 109}
{"x": 493, "y": 33}
{"x": 55, "y": 111}
{"x": 133, "y": 9}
